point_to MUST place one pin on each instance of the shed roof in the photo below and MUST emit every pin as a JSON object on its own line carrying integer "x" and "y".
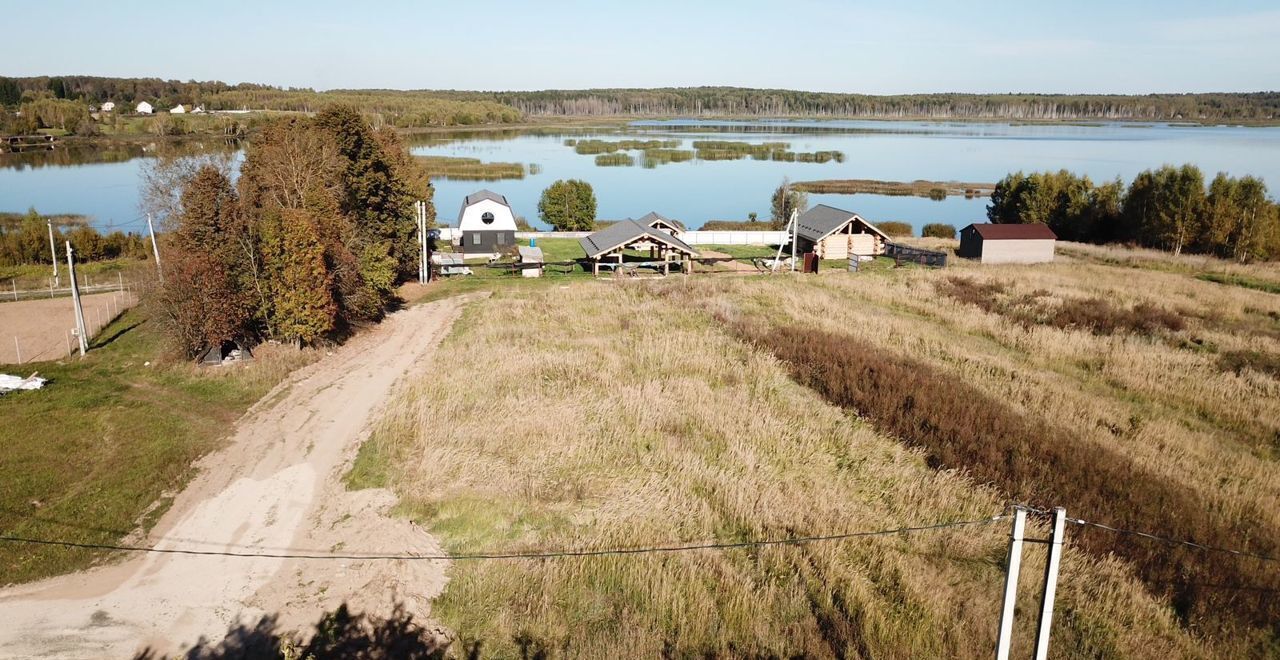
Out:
{"x": 1011, "y": 232}
{"x": 530, "y": 255}
{"x": 821, "y": 221}
{"x": 621, "y": 233}
{"x": 653, "y": 216}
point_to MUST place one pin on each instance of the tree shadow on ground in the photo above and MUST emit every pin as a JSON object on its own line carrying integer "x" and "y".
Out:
{"x": 338, "y": 634}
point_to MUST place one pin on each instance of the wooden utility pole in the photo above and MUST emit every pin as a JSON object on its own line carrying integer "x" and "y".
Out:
{"x": 53, "y": 252}
{"x": 75, "y": 300}
{"x": 1005, "y": 640}
{"x": 155, "y": 247}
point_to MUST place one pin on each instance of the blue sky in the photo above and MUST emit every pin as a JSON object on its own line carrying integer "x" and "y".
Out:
{"x": 822, "y": 45}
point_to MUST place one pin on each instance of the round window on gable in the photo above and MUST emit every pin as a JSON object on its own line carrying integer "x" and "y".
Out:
{"x": 487, "y": 218}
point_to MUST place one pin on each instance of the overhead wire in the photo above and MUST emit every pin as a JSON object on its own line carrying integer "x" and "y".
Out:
{"x": 535, "y": 554}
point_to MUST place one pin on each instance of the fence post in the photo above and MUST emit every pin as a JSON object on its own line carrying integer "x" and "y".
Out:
{"x": 1005, "y": 639}
{"x": 17, "y": 347}
{"x": 14, "y": 282}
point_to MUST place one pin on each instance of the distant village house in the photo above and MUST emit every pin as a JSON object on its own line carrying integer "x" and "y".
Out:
{"x": 109, "y": 106}
{"x": 144, "y": 108}
{"x": 1007, "y": 243}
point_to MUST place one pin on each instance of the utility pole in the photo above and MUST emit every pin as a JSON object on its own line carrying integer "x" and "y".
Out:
{"x": 75, "y": 299}
{"x": 1005, "y": 639}
{"x": 421, "y": 208}
{"x": 1050, "y": 583}
{"x": 53, "y": 252}
{"x": 791, "y": 230}
{"x": 155, "y": 247}
{"x": 795, "y": 226}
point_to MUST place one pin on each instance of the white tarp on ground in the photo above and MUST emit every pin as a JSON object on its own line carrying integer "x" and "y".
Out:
{"x": 9, "y": 383}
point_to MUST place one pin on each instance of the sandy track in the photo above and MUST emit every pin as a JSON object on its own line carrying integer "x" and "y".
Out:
{"x": 276, "y": 486}
{"x": 41, "y": 325}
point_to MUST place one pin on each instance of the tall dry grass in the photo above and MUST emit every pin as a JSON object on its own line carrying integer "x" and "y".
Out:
{"x": 625, "y": 415}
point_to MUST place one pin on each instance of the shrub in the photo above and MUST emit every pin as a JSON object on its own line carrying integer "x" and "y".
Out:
{"x": 1238, "y": 361}
{"x": 937, "y": 194}
{"x": 1096, "y": 315}
{"x": 938, "y": 230}
{"x": 961, "y": 427}
{"x": 894, "y": 228}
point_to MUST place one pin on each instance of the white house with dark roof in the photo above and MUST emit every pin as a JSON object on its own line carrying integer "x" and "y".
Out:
{"x": 486, "y": 223}
{"x": 834, "y": 233}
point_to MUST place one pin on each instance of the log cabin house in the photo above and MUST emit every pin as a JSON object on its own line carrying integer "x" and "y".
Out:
{"x": 834, "y": 233}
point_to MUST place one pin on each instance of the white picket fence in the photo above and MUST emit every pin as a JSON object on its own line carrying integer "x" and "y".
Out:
{"x": 730, "y": 237}
{"x": 734, "y": 237}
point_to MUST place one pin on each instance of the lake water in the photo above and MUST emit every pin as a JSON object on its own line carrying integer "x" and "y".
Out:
{"x": 701, "y": 190}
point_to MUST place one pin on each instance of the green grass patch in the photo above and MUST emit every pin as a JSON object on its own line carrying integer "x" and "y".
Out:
{"x": 106, "y": 438}
{"x": 1241, "y": 281}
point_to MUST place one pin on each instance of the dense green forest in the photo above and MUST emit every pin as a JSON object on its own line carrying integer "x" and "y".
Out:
{"x": 1259, "y": 106}
{"x": 1168, "y": 208}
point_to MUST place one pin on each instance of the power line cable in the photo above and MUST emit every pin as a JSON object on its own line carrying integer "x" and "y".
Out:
{"x": 1173, "y": 541}
{"x": 539, "y": 554}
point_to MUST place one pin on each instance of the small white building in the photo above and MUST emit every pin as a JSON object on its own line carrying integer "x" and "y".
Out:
{"x": 109, "y": 106}
{"x": 198, "y": 110}
{"x": 531, "y": 261}
{"x": 487, "y": 224}
{"x": 1031, "y": 243}
{"x": 144, "y": 108}
{"x": 178, "y": 110}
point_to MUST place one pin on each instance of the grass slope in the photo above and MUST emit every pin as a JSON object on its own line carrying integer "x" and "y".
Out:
{"x": 625, "y": 414}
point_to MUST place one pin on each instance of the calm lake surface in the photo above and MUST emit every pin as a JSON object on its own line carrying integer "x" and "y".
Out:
{"x": 700, "y": 190}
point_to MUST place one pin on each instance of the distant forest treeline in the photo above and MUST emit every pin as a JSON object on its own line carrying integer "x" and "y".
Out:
{"x": 422, "y": 108}
{"x": 53, "y": 98}
{"x": 1256, "y": 106}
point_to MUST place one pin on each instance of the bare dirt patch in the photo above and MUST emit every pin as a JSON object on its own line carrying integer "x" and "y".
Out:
{"x": 41, "y": 326}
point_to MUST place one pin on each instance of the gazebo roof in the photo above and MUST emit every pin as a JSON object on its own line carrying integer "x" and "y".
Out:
{"x": 621, "y": 234}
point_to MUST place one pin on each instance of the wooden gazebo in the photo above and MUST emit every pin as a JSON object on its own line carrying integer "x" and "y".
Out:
{"x": 608, "y": 245}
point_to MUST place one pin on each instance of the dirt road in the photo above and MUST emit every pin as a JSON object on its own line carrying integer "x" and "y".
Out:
{"x": 276, "y": 486}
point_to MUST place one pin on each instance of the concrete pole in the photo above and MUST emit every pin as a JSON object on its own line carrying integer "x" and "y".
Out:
{"x": 75, "y": 300}
{"x": 14, "y": 282}
{"x": 1050, "y": 583}
{"x": 17, "y": 347}
{"x": 792, "y": 224}
{"x": 1005, "y": 639}
{"x": 155, "y": 247}
{"x": 53, "y": 252}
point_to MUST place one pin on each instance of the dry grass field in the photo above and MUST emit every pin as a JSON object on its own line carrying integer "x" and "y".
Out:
{"x": 603, "y": 414}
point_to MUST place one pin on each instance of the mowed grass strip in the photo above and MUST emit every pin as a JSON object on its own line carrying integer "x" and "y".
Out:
{"x": 102, "y": 448}
{"x": 620, "y": 415}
